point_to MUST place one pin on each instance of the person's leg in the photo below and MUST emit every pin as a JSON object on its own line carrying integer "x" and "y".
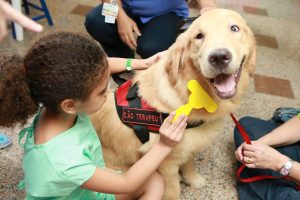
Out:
{"x": 158, "y": 34}
{"x": 265, "y": 189}
{"x": 284, "y": 190}
{"x": 255, "y": 128}
{"x": 153, "y": 188}
{"x": 106, "y": 34}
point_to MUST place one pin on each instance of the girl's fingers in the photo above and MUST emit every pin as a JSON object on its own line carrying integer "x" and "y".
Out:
{"x": 175, "y": 125}
{"x": 180, "y": 129}
{"x": 181, "y": 132}
{"x": 169, "y": 119}
{"x": 179, "y": 120}
{"x": 182, "y": 125}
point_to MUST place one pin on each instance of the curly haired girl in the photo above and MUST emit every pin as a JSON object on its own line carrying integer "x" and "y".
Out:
{"x": 63, "y": 78}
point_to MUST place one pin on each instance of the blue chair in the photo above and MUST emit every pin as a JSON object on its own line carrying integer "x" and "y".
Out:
{"x": 43, "y": 8}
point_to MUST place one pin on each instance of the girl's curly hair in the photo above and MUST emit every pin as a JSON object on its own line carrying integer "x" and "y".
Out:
{"x": 59, "y": 66}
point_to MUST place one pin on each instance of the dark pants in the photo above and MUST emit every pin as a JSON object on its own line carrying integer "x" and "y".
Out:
{"x": 157, "y": 35}
{"x": 278, "y": 189}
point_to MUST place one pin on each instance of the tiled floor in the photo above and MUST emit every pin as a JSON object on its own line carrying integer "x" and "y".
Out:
{"x": 276, "y": 25}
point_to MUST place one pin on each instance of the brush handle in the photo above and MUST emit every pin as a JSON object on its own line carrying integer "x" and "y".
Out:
{"x": 182, "y": 110}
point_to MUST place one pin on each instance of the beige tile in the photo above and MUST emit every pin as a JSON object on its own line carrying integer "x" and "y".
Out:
{"x": 255, "y": 11}
{"x": 267, "y": 41}
{"x": 81, "y": 10}
{"x": 273, "y": 86}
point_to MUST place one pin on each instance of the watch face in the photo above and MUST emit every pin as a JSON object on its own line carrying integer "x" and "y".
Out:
{"x": 284, "y": 171}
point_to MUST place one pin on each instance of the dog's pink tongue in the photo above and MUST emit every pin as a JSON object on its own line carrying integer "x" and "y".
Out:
{"x": 225, "y": 83}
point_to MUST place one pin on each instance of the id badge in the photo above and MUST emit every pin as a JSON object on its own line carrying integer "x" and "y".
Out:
{"x": 110, "y": 12}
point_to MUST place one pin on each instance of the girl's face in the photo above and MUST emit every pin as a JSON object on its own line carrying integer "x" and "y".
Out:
{"x": 97, "y": 97}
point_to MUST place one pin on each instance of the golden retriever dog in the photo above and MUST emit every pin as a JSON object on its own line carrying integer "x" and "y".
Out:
{"x": 218, "y": 50}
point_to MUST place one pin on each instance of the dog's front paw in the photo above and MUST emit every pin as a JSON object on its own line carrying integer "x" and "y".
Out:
{"x": 197, "y": 181}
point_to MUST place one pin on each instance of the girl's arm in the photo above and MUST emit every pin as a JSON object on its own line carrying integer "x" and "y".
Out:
{"x": 118, "y": 64}
{"x": 104, "y": 180}
{"x": 287, "y": 133}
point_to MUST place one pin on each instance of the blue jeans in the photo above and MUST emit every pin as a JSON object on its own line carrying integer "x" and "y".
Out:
{"x": 278, "y": 189}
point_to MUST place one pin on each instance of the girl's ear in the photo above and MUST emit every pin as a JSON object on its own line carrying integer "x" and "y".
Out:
{"x": 69, "y": 106}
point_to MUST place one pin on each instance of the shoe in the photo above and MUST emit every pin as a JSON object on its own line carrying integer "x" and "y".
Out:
{"x": 4, "y": 141}
{"x": 284, "y": 114}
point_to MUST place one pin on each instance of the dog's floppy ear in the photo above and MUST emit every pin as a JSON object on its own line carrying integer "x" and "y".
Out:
{"x": 176, "y": 58}
{"x": 251, "y": 61}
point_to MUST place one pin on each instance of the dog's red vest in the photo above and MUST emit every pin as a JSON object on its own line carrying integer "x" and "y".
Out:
{"x": 136, "y": 113}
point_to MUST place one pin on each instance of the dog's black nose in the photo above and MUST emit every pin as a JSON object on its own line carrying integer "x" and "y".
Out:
{"x": 220, "y": 58}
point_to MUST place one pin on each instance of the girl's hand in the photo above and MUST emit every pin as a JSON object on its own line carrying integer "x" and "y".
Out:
{"x": 258, "y": 155}
{"x": 171, "y": 133}
{"x": 148, "y": 62}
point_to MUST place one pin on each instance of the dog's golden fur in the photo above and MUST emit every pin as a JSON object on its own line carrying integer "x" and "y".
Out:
{"x": 163, "y": 86}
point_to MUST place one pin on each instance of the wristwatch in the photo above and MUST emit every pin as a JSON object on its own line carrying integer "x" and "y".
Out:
{"x": 285, "y": 170}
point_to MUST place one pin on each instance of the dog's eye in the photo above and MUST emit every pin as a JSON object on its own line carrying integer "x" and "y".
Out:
{"x": 234, "y": 28}
{"x": 199, "y": 36}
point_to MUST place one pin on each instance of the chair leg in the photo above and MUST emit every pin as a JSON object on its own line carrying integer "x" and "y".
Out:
{"x": 47, "y": 13}
{"x": 26, "y": 7}
{"x": 13, "y": 30}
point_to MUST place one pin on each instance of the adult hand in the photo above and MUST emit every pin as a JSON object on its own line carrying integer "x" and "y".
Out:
{"x": 171, "y": 133}
{"x": 259, "y": 155}
{"x": 126, "y": 29}
{"x": 8, "y": 13}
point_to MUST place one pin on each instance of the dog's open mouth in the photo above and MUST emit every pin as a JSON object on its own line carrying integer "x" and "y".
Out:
{"x": 225, "y": 84}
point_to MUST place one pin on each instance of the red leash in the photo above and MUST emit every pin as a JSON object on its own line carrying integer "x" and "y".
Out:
{"x": 242, "y": 167}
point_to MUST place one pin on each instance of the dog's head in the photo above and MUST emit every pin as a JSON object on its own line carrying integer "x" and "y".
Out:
{"x": 218, "y": 50}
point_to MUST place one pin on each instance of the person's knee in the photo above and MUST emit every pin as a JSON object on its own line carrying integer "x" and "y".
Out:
{"x": 93, "y": 19}
{"x": 157, "y": 184}
{"x": 149, "y": 48}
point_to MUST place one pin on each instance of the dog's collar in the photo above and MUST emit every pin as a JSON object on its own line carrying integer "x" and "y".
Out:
{"x": 134, "y": 112}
